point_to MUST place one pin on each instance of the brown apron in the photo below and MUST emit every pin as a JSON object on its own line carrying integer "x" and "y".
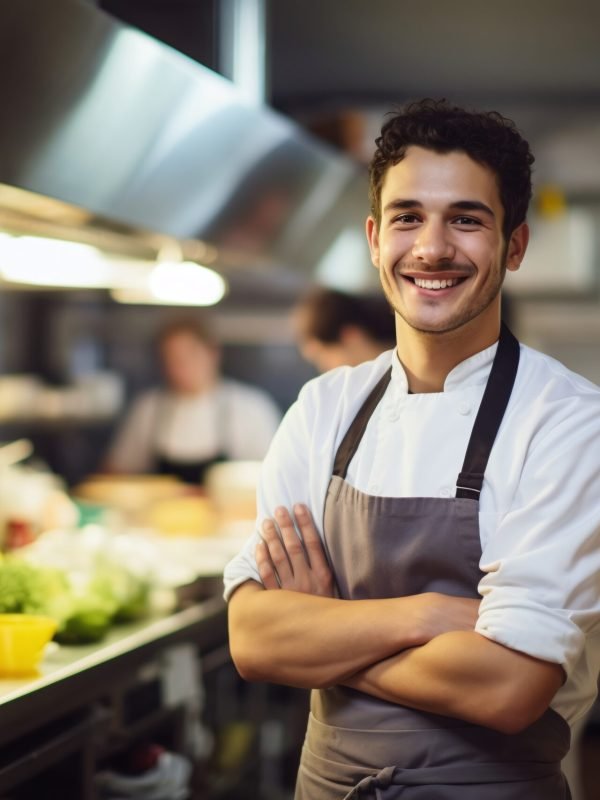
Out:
{"x": 358, "y": 746}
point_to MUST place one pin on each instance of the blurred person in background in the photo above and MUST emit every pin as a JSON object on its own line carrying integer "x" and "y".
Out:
{"x": 334, "y": 329}
{"x": 198, "y": 419}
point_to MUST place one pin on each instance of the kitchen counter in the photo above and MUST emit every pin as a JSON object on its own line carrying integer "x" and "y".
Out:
{"x": 76, "y": 701}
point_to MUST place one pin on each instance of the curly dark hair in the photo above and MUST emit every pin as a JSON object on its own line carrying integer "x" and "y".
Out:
{"x": 487, "y": 137}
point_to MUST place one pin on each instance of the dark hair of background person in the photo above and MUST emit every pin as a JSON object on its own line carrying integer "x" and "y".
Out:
{"x": 199, "y": 328}
{"x": 326, "y": 312}
{"x": 486, "y": 137}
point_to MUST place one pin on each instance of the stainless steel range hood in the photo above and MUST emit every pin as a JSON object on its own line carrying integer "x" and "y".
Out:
{"x": 101, "y": 116}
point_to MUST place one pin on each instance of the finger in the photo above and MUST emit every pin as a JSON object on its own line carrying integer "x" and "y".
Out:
{"x": 310, "y": 536}
{"x": 277, "y": 554}
{"x": 265, "y": 566}
{"x": 292, "y": 542}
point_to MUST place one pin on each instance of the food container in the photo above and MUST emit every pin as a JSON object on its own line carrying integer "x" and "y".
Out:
{"x": 231, "y": 486}
{"x": 23, "y": 638}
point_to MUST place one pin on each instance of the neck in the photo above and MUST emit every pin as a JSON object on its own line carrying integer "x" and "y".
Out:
{"x": 428, "y": 358}
{"x": 204, "y": 386}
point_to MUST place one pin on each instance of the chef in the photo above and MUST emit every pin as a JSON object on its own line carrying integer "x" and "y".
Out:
{"x": 429, "y": 521}
{"x": 334, "y": 328}
{"x": 199, "y": 419}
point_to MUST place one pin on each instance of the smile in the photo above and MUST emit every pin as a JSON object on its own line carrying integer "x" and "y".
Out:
{"x": 434, "y": 283}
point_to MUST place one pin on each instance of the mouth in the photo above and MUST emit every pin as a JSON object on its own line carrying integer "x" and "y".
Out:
{"x": 435, "y": 284}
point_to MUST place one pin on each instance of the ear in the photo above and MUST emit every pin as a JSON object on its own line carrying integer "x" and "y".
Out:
{"x": 373, "y": 240}
{"x": 517, "y": 246}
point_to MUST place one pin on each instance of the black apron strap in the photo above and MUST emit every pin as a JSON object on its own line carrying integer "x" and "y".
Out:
{"x": 489, "y": 417}
{"x": 487, "y": 422}
{"x": 355, "y": 432}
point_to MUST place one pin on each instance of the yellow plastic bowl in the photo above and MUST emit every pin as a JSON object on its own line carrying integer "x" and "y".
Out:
{"x": 23, "y": 638}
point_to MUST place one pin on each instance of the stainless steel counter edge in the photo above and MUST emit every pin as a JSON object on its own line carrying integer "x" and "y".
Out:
{"x": 67, "y": 661}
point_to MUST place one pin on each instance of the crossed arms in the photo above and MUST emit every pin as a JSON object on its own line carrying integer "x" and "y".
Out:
{"x": 420, "y": 651}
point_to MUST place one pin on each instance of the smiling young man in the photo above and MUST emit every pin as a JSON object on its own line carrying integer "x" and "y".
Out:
{"x": 430, "y": 526}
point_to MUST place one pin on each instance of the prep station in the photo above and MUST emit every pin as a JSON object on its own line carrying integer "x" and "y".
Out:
{"x": 137, "y": 185}
{"x": 153, "y": 696}
{"x": 91, "y": 702}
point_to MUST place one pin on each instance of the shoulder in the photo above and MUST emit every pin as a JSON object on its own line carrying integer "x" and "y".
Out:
{"x": 549, "y": 385}
{"x": 241, "y": 393}
{"x": 552, "y": 399}
{"x": 545, "y": 371}
{"x": 146, "y": 402}
{"x": 343, "y": 390}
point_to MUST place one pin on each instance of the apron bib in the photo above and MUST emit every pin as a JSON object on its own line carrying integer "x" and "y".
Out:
{"x": 192, "y": 471}
{"x": 358, "y": 746}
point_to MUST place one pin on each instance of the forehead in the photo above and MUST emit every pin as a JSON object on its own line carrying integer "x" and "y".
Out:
{"x": 181, "y": 341}
{"x": 431, "y": 177}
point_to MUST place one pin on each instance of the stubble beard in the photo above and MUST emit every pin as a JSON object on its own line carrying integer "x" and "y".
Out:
{"x": 461, "y": 318}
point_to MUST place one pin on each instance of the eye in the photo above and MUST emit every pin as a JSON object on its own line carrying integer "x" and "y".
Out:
{"x": 467, "y": 221}
{"x": 406, "y": 219}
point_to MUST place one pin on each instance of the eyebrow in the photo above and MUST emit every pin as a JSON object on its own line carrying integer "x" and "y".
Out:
{"x": 459, "y": 205}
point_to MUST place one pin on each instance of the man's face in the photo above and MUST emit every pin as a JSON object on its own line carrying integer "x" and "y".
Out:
{"x": 439, "y": 248}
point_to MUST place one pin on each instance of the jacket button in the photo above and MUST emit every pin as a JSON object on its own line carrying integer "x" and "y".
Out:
{"x": 445, "y": 492}
{"x": 464, "y": 409}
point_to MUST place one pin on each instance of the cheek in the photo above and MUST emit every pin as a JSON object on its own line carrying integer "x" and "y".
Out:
{"x": 388, "y": 253}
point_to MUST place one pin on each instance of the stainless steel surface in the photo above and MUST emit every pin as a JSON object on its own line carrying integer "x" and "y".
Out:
{"x": 104, "y": 117}
{"x": 63, "y": 662}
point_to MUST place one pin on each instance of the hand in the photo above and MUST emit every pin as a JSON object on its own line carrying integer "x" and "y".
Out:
{"x": 295, "y": 560}
{"x": 440, "y": 613}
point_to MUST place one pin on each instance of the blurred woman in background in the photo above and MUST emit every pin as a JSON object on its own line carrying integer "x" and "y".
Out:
{"x": 198, "y": 419}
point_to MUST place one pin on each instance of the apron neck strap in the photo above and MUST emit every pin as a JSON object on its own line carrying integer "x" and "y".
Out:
{"x": 489, "y": 417}
{"x": 487, "y": 423}
{"x": 355, "y": 432}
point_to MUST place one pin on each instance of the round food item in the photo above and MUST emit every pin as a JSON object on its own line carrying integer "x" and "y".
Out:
{"x": 193, "y": 516}
{"x": 83, "y": 626}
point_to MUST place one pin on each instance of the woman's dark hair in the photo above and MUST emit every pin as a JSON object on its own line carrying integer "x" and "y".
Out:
{"x": 328, "y": 311}
{"x": 486, "y": 137}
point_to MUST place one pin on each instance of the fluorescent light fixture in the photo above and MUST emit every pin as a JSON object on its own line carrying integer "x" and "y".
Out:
{"x": 37, "y": 261}
{"x": 177, "y": 284}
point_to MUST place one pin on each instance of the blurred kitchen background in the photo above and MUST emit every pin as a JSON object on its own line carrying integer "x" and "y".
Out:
{"x": 209, "y": 156}
{"x": 235, "y": 134}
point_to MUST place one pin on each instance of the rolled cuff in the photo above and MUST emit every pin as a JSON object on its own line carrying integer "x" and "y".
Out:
{"x": 540, "y": 632}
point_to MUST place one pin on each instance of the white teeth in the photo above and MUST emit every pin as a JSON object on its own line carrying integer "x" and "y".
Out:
{"x": 443, "y": 284}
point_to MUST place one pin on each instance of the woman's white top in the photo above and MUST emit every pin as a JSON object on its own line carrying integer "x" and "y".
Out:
{"x": 234, "y": 418}
{"x": 540, "y": 503}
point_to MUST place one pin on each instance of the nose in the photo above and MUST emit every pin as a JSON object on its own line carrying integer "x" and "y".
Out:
{"x": 432, "y": 244}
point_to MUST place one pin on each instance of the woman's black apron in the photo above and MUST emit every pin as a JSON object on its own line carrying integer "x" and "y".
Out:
{"x": 189, "y": 471}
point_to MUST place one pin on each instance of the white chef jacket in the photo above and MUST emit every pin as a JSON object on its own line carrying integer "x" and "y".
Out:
{"x": 234, "y": 418}
{"x": 539, "y": 511}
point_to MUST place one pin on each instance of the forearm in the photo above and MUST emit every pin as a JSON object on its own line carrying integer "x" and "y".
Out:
{"x": 304, "y": 640}
{"x": 464, "y": 675}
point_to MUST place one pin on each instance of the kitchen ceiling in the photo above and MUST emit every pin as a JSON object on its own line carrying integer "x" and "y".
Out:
{"x": 385, "y": 51}
{"x": 536, "y": 62}
{"x": 135, "y": 144}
